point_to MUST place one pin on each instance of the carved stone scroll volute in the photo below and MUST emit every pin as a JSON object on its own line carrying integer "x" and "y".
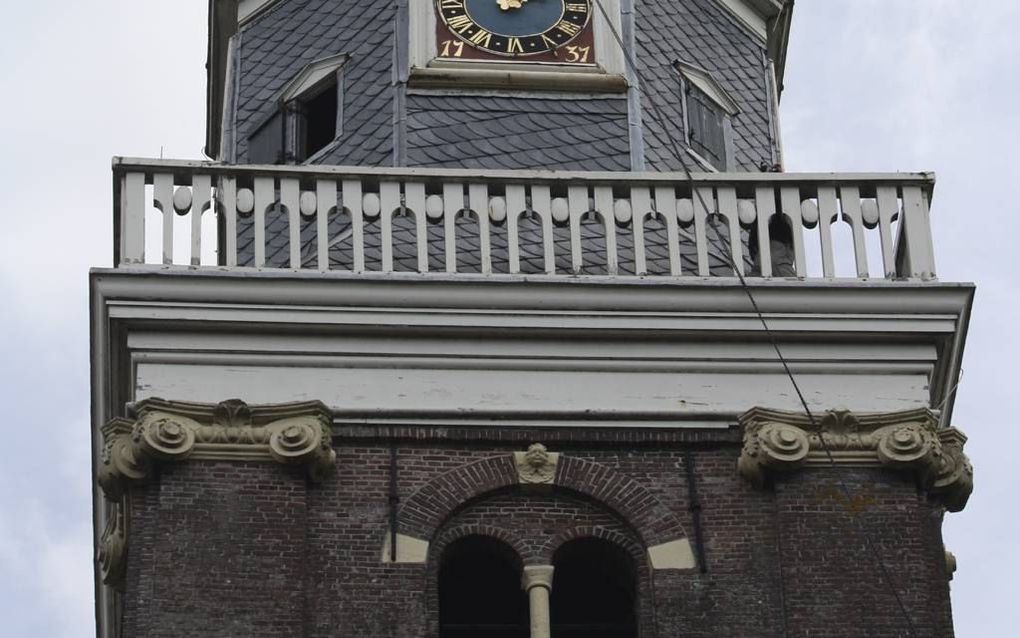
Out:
{"x": 780, "y": 441}
{"x": 174, "y": 431}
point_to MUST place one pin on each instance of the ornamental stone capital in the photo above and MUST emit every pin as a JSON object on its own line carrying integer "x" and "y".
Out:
{"x": 909, "y": 440}
{"x": 167, "y": 431}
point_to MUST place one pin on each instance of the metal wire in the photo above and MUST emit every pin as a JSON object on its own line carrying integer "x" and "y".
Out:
{"x": 675, "y": 150}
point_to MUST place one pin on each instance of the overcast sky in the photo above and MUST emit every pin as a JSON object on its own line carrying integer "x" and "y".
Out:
{"x": 871, "y": 85}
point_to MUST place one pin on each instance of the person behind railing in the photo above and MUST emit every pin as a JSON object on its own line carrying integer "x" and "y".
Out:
{"x": 780, "y": 249}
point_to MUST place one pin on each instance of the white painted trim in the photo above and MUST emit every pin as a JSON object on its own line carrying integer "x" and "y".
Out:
{"x": 705, "y": 83}
{"x": 313, "y": 75}
{"x": 248, "y": 10}
{"x": 749, "y": 15}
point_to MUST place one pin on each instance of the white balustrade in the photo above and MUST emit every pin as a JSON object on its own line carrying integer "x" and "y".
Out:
{"x": 301, "y": 218}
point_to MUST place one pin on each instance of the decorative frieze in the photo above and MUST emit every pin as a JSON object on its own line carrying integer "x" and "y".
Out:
{"x": 910, "y": 440}
{"x": 288, "y": 433}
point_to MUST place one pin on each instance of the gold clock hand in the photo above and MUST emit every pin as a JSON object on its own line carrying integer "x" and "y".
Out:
{"x": 506, "y": 5}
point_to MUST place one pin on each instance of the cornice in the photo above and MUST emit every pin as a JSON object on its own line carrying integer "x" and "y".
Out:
{"x": 777, "y": 441}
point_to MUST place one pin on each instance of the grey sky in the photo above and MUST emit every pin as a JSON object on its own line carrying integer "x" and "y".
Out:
{"x": 872, "y": 85}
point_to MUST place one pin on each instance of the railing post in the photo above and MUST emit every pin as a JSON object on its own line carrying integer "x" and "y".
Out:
{"x": 916, "y": 258}
{"x": 132, "y": 220}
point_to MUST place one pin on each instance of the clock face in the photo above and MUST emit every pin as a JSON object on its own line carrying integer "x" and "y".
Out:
{"x": 557, "y": 31}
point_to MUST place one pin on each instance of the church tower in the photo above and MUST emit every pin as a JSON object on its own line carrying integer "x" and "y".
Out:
{"x": 501, "y": 319}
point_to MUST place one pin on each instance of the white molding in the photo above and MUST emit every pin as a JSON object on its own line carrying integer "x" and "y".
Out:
{"x": 748, "y": 12}
{"x": 313, "y": 75}
{"x": 269, "y": 338}
{"x": 248, "y": 10}
{"x": 705, "y": 83}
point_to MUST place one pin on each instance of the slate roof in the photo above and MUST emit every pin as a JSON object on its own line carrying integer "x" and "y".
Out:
{"x": 702, "y": 33}
{"x": 585, "y": 134}
{"x": 277, "y": 45}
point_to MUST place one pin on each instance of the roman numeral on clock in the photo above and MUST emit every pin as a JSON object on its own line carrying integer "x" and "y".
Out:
{"x": 568, "y": 27}
{"x": 460, "y": 23}
{"x": 482, "y": 38}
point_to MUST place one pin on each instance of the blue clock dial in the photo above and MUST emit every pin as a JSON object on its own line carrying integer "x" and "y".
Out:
{"x": 532, "y": 18}
{"x": 518, "y": 28}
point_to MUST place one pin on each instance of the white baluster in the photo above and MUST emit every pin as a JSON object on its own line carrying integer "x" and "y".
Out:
{"x": 850, "y": 196}
{"x": 541, "y": 205}
{"x": 577, "y": 200}
{"x": 325, "y": 201}
{"x": 265, "y": 196}
{"x": 728, "y": 209}
{"x": 453, "y": 203}
{"x": 703, "y": 201}
{"x": 765, "y": 202}
{"x": 641, "y": 204}
{"x": 414, "y": 199}
{"x": 665, "y": 205}
{"x": 828, "y": 213}
{"x": 478, "y": 201}
{"x": 389, "y": 199}
{"x": 604, "y": 207}
{"x": 228, "y": 200}
{"x": 201, "y": 186}
{"x": 790, "y": 198}
{"x": 353, "y": 202}
{"x": 888, "y": 208}
{"x": 515, "y": 204}
{"x": 290, "y": 195}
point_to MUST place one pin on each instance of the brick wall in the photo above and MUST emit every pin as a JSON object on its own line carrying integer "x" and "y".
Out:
{"x": 251, "y": 549}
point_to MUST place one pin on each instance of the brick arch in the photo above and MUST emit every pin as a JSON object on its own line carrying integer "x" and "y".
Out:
{"x": 623, "y": 541}
{"x": 451, "y": 534}
{"x": 426, "y": 510}
{"x": 632, "y": 547}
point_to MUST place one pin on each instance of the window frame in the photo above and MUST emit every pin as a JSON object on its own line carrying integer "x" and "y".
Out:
{"x": 694, "y": 78}
{"x": 310, "y": 82}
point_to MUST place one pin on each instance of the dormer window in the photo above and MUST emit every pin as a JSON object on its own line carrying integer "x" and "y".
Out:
{"x": 708, "y": 110}
{"x": 309, "y": 118}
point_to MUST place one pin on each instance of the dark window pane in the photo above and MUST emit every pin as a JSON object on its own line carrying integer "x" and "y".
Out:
{"x": 320, "y": 121}
{"x": 480, "y": 593}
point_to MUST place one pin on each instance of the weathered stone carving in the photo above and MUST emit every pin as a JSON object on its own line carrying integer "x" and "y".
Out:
{"x": 290, "y": 433}
{"x": 111, "y": 555}
{"x": 777, "y": 440}
{"x": 537, "y": 466}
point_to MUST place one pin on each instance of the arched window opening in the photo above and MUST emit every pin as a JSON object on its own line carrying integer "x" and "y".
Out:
{"x": 480, "y": 594}
{"x": 594, "y": 593}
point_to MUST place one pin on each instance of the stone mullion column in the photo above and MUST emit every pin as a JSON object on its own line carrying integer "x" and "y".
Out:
{"x": 537, "y": 581}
